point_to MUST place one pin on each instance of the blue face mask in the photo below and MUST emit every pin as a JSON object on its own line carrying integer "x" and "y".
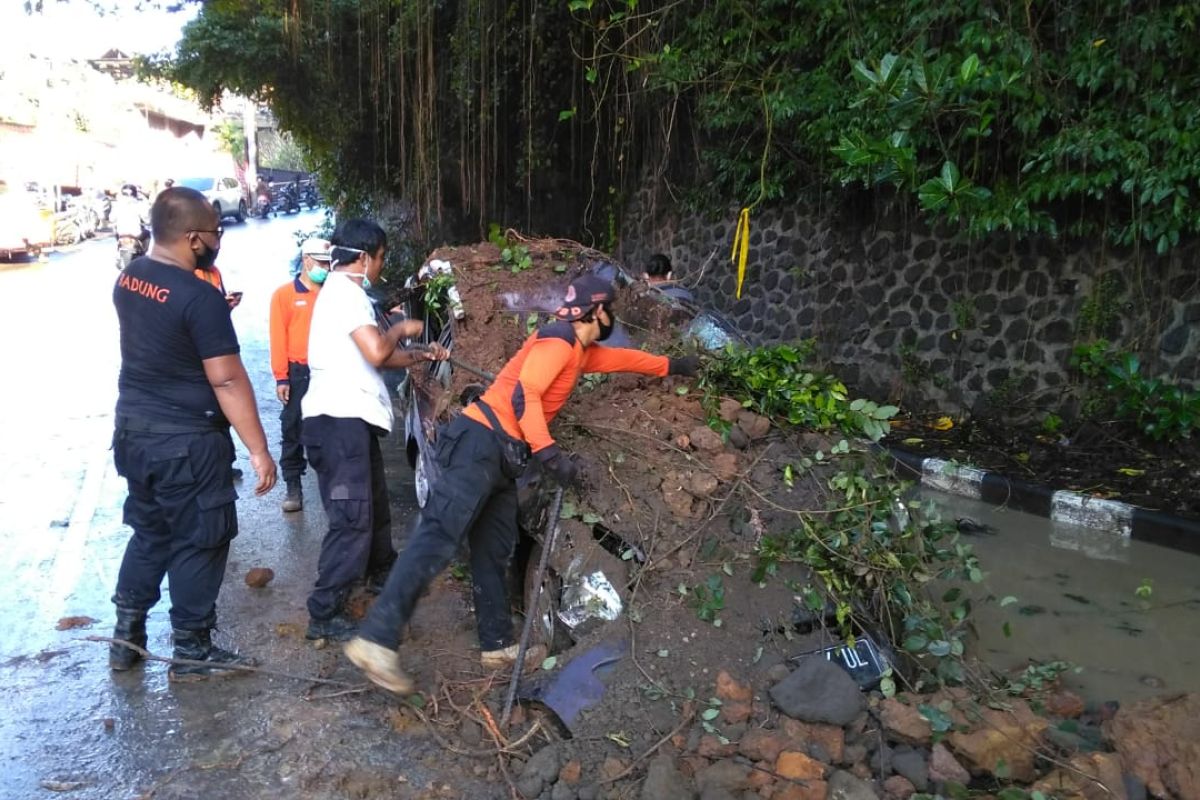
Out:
{"x": 318, "y": 274}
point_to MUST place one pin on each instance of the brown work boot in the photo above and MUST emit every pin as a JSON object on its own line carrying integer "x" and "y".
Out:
{"x": 380, "y": 664}
{"x": 535, "y": 654}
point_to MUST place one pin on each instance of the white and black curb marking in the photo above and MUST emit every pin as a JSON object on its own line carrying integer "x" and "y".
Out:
{"x": 1115, "y": 518}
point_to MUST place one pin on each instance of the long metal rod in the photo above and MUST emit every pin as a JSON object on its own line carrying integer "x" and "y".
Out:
{"x": 476, "y": 371}
{"x": 531, "y": 612}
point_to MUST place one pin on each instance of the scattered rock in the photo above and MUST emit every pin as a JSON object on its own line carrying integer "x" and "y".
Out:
{"x": 730, "y": 409}
{"x": 830, "y": 739}
{"x": 753, "y": 425}
{"x": 730, "y": 689}
{"x": 735, "y": 714}
{"x": 530, "y": 786}
{"x": 1065, "y": 704}
{"x": 1159, "y": 742}
{"x": 760, "y": 744}
{"x": 725, "y": 466}
{"x": 758, "y": 778}
{"x": 679, "y": 501}
{"x": 711, "y": 747}
{"x": 610, "y": 769}
{"x": 545, "y": 763}
{"x": 738, "y": 439}
{"x": 798, "y": 766}
{"x": 1093, "y": 776}
{"x": 844, "y": 786}
{"x": 811, "y": 790}
{"x": 944, "y": 767}
{"x": 725, "y": 775}
{"x": 1065, "y": 741}
{"x": 109, "y": 724}
{"x": 563, "y": 791}
{"x": 898, "y": 787}
{"x": 682, "y": 441}
{"x": 663, "y": 781}
{"x": 71, "y": 623}
{"x": 591, "y": 792}
{"x": 702, "y": 484}
{"x": 1002, "y": 737}
{"x": 706, "y": 439}
{"x": 904, "y": 723}
{"x": 854, "y": 754}
{"x": 819, "y": 691}
{"x": 570, "y": 772}
{"x": 259, "y": 577}
{"x": 912, "y": 765}
{"x": 778, "y": 672}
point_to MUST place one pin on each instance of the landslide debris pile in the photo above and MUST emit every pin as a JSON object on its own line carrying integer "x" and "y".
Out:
{"x": 715, "y": 696}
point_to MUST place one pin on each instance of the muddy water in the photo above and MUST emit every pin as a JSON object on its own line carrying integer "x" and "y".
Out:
{"x": 1075, "y": 601}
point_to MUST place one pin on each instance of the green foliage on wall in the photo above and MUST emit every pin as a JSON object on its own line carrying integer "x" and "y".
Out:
{"x": 1069, "y": 117}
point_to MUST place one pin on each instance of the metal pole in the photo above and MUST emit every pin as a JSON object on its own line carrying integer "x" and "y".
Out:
{"x": 532, "y": 610}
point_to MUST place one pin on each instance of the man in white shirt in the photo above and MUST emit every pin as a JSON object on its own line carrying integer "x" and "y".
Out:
{"x": 346, "y": 410}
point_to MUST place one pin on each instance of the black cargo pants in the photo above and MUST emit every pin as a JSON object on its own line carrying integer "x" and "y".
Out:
{"x": 470, "y": 498}
{"x": 181, "y": 506}
{"x": 291, "y": 457}
{"x": 345, "y": 455}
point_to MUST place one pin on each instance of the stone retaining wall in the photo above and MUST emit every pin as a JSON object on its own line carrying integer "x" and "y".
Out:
{"x": 911, "y": 314}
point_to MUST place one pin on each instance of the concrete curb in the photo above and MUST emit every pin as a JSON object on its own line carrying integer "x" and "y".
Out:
{"x": 1125, "y": 520}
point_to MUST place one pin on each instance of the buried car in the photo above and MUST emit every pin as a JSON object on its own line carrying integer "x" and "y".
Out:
{"x": 499, "y": 306}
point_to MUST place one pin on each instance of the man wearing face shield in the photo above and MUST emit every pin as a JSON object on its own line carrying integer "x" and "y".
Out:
{"x": 182, "y": 384}
{"x": 291, "y": 314}
{"x": 475, "y": 497}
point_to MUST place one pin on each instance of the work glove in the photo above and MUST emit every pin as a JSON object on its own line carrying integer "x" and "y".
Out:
{"x": 559, "y": 465}
{"x": 687, "y": 366}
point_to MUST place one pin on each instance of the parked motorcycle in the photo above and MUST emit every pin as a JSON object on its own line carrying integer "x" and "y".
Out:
{"x": 289, "y": 199}
{"x": 263, "y": 207}
{"x": 129, "y": 248}
{"x": 309, "y": 195}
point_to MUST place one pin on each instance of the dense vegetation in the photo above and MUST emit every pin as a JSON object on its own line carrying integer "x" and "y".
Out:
{"x": 1075, "y": 116}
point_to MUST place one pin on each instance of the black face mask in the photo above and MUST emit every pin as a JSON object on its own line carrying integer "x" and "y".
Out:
{"x": 606, "y": 330}
{"x": 209, "y": 258}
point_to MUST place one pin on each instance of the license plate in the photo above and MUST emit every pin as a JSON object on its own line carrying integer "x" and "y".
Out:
{"x": 863, "y": 662}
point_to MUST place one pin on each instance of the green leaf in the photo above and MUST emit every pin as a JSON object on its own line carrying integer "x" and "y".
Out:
{"x": 939, "y": 648}
{"x": 969, "y": 67}
{"x": 566, "y": 114}
{"x": 663, "y": 653}
{"x": 1007, "y": 601}
{"x": 548, "y": 664}
{"x": 710, "y": 714}
{"x": 915, "y": 643}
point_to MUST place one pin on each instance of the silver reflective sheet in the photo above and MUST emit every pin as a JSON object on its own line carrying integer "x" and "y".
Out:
{"x": 587, "y": 597}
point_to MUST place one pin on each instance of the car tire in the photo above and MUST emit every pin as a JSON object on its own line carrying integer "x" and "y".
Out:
{"x": 421, "y": 480}
{"x": 548, "y": 629}
{"x": 241, "y": 214}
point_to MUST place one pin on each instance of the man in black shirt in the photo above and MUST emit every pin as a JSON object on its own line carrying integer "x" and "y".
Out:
{"x": 182, "y": 384}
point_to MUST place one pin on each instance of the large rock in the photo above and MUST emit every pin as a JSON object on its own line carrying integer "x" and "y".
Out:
{"x": 844, "y": 786}
{"x": 944, "y": 767}
{"x": 759, "y": 744}
{"x": 898, "y": 787}
{"x": 819, "y": 691}
{"x": 1159, "y": 742}
{"x": 726, "y": 775}
{"x": 904, "y": 724}
{"x": 754, "y": 426}
{"x": 795, "y": 765}
{"x": 663, "y": 781}
{"x": 705, "y": 438}
{"x": 1002, "y": 738}
{"x": 912, "y": 765}
{"x": 1093, "y": 776}
{"x": 829, "y": 739}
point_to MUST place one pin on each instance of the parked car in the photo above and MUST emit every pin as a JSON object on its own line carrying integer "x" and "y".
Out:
{"x": 26, "y": 225}
{"x": 225, "y": 194}
{"x": 423, "y": 396}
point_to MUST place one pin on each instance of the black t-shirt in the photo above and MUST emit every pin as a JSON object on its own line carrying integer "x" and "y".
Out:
{"x": 170, "y": 322}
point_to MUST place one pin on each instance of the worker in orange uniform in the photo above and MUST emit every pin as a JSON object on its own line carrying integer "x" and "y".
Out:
{"x": 291, "y": 314}
{"x": 475, "y": 497}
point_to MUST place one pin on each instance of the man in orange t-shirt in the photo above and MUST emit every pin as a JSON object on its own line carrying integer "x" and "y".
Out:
{"x": 291, "y": 314}
{"x": 475, "y": 497}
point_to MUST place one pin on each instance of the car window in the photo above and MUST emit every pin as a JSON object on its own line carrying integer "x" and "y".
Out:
{"x": 199, "y": 184}
{"x": 229, "y": 183}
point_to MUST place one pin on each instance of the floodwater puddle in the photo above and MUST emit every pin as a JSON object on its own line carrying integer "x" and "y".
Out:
{"x": 1124, "y": 612}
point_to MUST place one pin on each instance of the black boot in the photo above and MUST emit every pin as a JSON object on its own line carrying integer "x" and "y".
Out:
{"x": 130, "y": 627}
{"x": 337, "y": 628}
{"x": 198, "y": 646}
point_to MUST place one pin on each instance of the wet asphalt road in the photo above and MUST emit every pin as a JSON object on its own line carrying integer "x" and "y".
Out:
{"x": 67, "y": 722}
